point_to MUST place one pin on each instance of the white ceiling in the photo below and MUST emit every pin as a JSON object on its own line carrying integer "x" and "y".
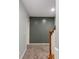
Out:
{"x": 39, "y": 8}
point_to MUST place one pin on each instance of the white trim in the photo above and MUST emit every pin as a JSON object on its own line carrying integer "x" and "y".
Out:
{"x": 38, "y": 43}
{"x": 56, "y": 49}
{"x": 23, "y": 53}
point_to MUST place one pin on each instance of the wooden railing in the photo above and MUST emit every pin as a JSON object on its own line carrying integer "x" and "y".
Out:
{"x": 51, "y": 56}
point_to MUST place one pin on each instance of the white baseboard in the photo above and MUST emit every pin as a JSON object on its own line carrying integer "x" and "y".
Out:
{"x": 38, "y": 43}
{"x": 23, "y": 53}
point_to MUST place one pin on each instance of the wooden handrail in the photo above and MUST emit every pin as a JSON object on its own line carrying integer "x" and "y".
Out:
{"x": 51, "y": 56}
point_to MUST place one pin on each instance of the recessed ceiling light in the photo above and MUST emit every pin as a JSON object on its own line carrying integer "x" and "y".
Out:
{"x": 53, "y": 9}
{"x": 44, "y": 20}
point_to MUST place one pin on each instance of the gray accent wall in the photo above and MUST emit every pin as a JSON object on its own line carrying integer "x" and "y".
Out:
{"x": 39, "y": 28}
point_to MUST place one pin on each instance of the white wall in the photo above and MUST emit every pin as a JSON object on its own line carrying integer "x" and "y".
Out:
{"x": 23, "y": 29}
{"x": 57, "y": 29}
{"x": 57, "y": 23}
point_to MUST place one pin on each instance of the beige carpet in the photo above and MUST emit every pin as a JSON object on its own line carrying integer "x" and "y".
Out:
{"x": 36, "y": 52}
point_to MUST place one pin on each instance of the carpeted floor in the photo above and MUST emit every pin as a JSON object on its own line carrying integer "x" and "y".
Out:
{"x": 36, "y": 52}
